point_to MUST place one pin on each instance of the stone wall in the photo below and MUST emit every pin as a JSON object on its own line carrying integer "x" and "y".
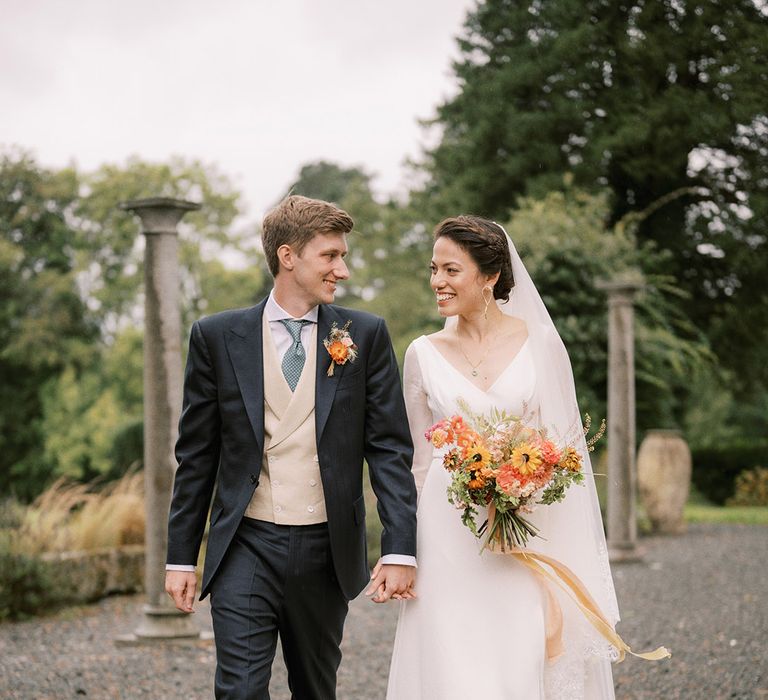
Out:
{"x": 87, "y": 576}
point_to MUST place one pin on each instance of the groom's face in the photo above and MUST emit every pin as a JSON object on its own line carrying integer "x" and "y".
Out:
{"x": 319, "y": 268}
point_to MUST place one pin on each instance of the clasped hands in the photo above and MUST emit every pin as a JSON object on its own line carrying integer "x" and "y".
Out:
{"x": 395, "y": 581}
{"x": 388, "y": 581}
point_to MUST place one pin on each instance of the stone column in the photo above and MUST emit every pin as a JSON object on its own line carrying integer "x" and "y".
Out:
{"x": 622, "y": 474}
{"x": 162, "y": 407}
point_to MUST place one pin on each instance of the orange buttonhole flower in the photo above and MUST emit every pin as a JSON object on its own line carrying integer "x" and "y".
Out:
{"x": 338, "y": 351}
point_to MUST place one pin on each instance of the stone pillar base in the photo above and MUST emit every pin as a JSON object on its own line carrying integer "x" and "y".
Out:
{"x": 161, "y": 624}
{"x": 625, "y": 553}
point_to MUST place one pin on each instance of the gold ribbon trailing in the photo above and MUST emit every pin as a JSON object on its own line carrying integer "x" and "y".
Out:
{"x": 572, "y": 585}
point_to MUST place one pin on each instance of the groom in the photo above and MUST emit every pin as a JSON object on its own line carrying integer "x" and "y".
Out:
{"x": 282, "y": 403}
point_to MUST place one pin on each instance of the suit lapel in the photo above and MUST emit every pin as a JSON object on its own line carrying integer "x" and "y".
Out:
{"x": 325, "y": 386}
{"x": 244, "y": 345}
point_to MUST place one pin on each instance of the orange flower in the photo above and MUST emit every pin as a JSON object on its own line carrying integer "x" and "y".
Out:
{"x": 476, "y": 483}
{"x": 457, "y": 424}
{"x": 338, "y": 352}
{"x": 451, "y": 460}
{"x": 467, "y": 437}
{"x": 439, "y": 438}
{"x": 571, "y": 460}
{"x": 481, "y": 477}
{"x": 550, "y": 454}
{"x": 488, "y": 473}
{"x": 508, "y": 479}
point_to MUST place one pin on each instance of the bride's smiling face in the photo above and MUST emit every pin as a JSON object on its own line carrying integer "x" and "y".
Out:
{"x": 456, "y": 280}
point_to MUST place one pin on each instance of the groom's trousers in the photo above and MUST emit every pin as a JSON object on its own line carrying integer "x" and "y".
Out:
{"x": 277, "y": 579}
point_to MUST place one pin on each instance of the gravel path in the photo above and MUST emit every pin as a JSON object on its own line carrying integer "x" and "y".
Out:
{"x": 703, "y": 595}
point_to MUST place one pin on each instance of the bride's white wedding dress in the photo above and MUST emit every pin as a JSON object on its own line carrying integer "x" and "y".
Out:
{"x": 477, "y": 628}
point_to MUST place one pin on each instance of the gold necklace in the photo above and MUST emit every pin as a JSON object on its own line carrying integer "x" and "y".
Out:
{"x": 466, "y": 357}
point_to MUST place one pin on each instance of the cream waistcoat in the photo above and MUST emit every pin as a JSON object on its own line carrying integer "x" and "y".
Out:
{"x": 290, "y": 491}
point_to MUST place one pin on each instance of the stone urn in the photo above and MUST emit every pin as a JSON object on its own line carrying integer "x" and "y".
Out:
{"x": 664, "y": 479}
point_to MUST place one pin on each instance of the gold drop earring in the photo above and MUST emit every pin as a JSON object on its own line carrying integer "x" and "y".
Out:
{"x": 487, "y": 300}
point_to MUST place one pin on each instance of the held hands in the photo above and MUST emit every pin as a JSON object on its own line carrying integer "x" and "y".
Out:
{"x": 181, "y": 585}
{"x": 391, "y": 581}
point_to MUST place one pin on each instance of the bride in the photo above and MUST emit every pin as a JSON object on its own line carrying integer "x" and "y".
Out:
{"x": 478, "y": 626}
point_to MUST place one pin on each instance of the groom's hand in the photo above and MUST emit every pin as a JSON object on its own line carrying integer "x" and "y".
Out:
{"x": 391, "y": 581}
{"x": 181, "y": 585}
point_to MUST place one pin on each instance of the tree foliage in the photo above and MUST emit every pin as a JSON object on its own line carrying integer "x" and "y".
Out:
{"x": 646, "y": 99}
{"x": 44, "y": 323}
{"x": 568, "y": 245}
{"x": 71, "y": 306}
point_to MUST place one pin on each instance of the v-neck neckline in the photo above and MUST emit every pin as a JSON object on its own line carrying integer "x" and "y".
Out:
{"x": 467, "y": 379}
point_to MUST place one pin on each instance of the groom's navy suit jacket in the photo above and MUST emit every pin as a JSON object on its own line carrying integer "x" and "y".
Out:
{"x": 359, "y": 414}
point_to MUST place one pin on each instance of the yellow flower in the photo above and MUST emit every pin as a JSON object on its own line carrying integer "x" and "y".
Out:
{"x": 477, "y": 454}
{"x": 571, "y": 460}
{"x": 526, "y": 458}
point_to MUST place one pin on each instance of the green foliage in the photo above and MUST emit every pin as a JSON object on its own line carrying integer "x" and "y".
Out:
{"x": 43, "y": 321}
{"x": 567, "y": 246}
{"x": 328, "y": 181}
{"x": 751, "y": 488}
{"x": 112, "y": 262}
{"x": 555, "y": 492}
{"x": 26, "y": 586}
{"x": 70, "y": 300}
{"x": 220, "y": 288}
{"x": 715, "y": 469}
{"x": 643, "y": 99}
{"x": 714, "y": 416}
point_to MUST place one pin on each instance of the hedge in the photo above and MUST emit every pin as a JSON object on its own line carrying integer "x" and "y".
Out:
{"x": 715, "y": 468}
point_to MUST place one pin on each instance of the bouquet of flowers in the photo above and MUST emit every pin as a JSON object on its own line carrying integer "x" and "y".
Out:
{"x": 500, "y": 462}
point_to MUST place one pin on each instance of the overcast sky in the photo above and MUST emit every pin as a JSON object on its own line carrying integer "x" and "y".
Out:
{"x": 257, "y": 87}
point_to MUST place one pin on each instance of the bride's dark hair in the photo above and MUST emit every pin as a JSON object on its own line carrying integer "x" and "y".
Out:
{"x": 486, "y": 243}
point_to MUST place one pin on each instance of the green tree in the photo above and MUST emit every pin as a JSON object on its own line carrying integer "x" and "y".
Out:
{"x": 644, "y": 98}
{"x": 567, "y": 245}
{"x": 70, "y": 303}
{"x": 44, "y": 323}
{"x": 112, "y": 260}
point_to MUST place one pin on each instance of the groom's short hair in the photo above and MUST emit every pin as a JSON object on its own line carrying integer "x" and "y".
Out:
{"x": 296, "y": 221}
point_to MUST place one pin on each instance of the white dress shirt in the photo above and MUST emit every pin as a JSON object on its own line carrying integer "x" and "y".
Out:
{"x": 283, "y": 341}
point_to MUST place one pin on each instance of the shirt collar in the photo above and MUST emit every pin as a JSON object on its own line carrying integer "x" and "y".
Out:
{"x": 275, "y": 312}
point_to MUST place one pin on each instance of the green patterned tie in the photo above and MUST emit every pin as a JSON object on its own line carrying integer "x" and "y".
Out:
{"x": 293, "y": 360}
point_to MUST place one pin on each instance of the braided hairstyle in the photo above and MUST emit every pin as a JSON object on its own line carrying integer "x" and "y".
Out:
{"x": 486, "y": 243}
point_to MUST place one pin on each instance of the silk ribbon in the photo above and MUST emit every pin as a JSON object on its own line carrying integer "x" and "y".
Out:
{"x": 554, "y": 572}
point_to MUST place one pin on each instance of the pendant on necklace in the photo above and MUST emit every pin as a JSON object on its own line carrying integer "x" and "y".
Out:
{"x": 474, "y": 372}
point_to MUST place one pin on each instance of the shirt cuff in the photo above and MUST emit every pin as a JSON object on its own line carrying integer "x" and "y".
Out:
{"x": 401, "y": 559}
{"x": 179, "y": 567}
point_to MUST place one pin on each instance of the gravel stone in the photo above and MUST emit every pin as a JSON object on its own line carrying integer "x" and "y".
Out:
{"x": 702, "y": 594}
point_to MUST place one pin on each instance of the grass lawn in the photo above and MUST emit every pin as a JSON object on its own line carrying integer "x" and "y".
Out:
{"x": 740, "y": 515}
